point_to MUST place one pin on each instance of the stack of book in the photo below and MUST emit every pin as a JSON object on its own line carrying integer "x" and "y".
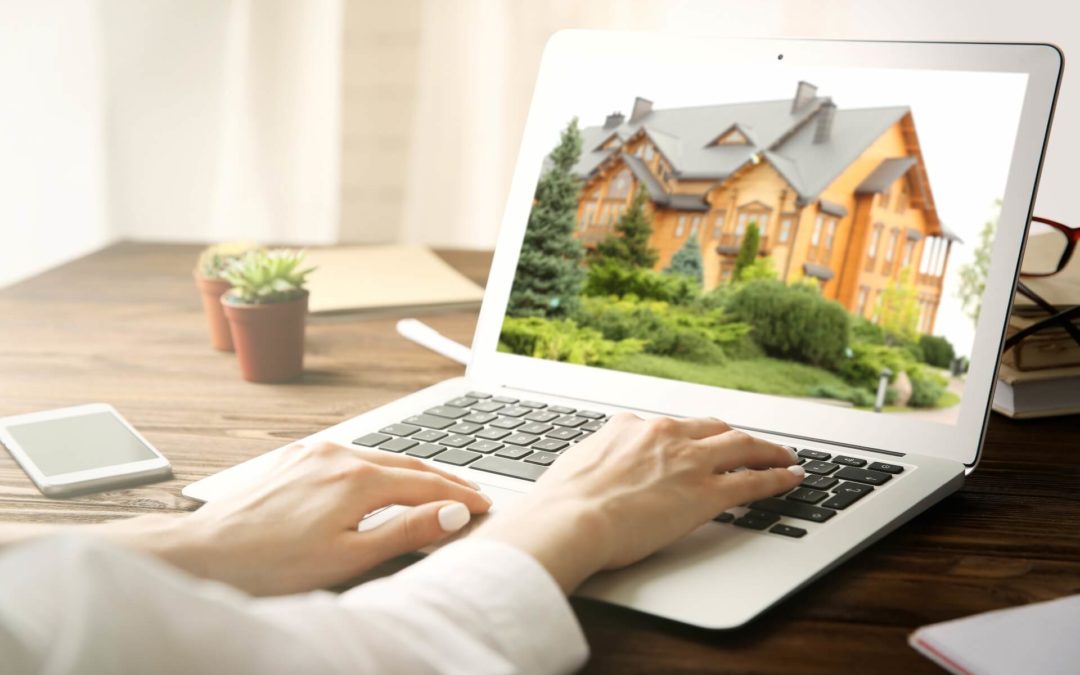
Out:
{"x": 1040, "y": 376}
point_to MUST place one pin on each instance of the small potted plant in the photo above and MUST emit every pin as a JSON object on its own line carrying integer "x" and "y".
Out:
{"x": 266, "y": 308}
{"x": 212, "y": 263}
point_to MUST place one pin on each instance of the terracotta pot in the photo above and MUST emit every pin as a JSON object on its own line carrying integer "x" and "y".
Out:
{"x": 211, "y": 291}
{"x": 269, "y": 338}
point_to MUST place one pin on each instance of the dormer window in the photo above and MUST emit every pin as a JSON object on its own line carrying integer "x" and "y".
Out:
{"x": 733, "y": 136}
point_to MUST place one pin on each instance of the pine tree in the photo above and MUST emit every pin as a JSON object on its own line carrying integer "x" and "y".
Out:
{"x": 549, "y": 275}
{"x": 687, "y": 261}
{"x": 748, "y": 250}
{"x": 630, "y": 242}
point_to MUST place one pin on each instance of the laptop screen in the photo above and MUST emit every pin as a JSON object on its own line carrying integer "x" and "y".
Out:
{"x": 818, "y": 233}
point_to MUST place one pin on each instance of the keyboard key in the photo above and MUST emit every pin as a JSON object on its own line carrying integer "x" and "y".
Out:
{"x": 447, "y": 411}
{"x": 371, "y": 440}
{"x": 478, "y": 395}
{"x": 522, "y": 439}
{"x": 425, "y": 450}
{"x": 788, "y": 531}
{"x": 536, "y": 428}
{"x": 428, "y": 435}
{"x": 591, "y": 426}
{"x": 536, "y": 405}
{"x": 400, "y": 429}
{"x": 822, "y": 468}
{"x": 550, "y": 445}
{"x": 724, "y": 517}
{"x": 507, "y": 423}
{"x": 504, "y": 399}
{"x": 508, "y": 467}
{"x": 854, "y": 487}
{"x": 457, "y": 441}
{"x": 561, "y": 409}
{"x": 514, "y": 452}
{"x": 846, "y": 495}
{"x": 545, "y": 458}
{"x": 564, "y": 434}
{"x": 814, "y": 454}
{"x": 819, "y": 482}
{"x": 484, "y": 446}
{"x": 542, "y": 416}
{"x": 492, "y": 434}
{"x": 465, "y": 428}
{"x": 461, "y": 402}
{"x": 806, "y": 495}
{"x": 515, "y": 411}
{"x": 848, "y": 461}
{"x": 479, "y": 418}
{"x": 487, "y": 406}
{"x": 570, "y": 421}
{"x": 887, "y": 468}
{"x": 429, "y": 421}
{"x": 784, "y": 507}
{"x": 457, "y": 457}
{"x": 397, "y": 444}
{"x": 757, "y": 520}
{"x": 591, "y": 414}
{"x": 863, "y": 476}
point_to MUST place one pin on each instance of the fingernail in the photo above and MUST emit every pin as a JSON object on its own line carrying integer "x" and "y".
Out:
{"x": 794, "y": 468}
{"x": 487, "y": 499}
{"x": 475, "y": 486}
{"x": 453, "y": 517}
{"x": 794, "y": 455}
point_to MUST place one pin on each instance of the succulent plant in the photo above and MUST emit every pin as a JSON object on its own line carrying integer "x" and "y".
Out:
{"x": 215, "y": 259}
{"x": 263, "y": 277}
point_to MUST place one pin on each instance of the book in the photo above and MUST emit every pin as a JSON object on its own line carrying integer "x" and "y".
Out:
{"x": 1036, "y": 638}
{"x": 1037, "y": 393}
{"x": 1051, "y": 347}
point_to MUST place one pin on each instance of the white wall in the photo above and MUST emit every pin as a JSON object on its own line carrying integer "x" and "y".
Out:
{"x": 52, "y": 147}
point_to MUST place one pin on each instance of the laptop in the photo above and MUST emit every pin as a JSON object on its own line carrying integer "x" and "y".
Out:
{"x": 815, "y": 241}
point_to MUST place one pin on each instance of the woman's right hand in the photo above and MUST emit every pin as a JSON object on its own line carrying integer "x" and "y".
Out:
{"x": 636, "y": 486}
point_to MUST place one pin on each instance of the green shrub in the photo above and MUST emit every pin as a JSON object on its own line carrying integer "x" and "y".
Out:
{"x": 863, "y": 367}
{"x": 793, "y": 322}
{"x": 606, "y": 278}
{"x": 926, "y": 387}
{"x": 936, "y": 351}
{"x": 854, "y": 395}
{"x": 866, "y": 332}
{"x": 562, "y": 340}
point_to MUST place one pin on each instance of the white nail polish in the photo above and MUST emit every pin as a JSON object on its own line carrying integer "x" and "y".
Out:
{"x": 453, "y": 517}
{"x": 475, "y": 486}
{"x": 794, "y": 455}
{"x": 794, "y": 468}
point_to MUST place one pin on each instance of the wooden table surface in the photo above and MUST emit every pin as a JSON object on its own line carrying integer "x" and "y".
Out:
{"x": 124, "y": 326}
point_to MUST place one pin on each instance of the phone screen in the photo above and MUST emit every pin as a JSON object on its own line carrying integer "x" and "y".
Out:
{"x": 78, "y": 443}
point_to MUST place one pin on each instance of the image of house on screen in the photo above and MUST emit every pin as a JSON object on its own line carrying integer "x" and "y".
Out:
{"x": 840, "y": 196}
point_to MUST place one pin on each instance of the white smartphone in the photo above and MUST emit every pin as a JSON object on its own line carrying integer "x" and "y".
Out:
{"x": 81, "y": 449}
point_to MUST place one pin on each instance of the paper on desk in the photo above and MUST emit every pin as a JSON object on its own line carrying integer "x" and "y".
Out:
{"x": 363, "y": 278}
{"x": 1040, "y": 639}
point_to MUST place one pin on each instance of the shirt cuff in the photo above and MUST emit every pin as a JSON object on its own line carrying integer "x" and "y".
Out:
{"x": 526, "y": 610}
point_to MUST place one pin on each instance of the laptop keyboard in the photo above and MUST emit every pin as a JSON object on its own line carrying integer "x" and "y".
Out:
{"x": 521, "y": 438}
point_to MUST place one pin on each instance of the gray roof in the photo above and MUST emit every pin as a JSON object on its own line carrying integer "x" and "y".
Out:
{"x": 684, "y": 136}
{"x": 658, "y": 193}
{"x": 885, "y": 174}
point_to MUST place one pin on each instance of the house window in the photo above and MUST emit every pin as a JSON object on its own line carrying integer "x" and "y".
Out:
{"x": 640, "y": 152}
{"x": 718, "y": 224}
{"x": 648, "y": 152}
{"x": 588, "y": 213}
{"x": 620, "y": 185}
{"x": 883, "y": 200}
{"x": 909, "y": 249}
{"x": 695, "y": 223}
{"x": 890, "y": 250}
{"x": 872, "y": 249}
{"x": 785, "y": 229}
{"x": 860, "y": 305}
{"x": 680, "y": 228}
{"x": 830, "y": 236}
{"x": 605, "y": 213}
{"x": 815, "y": 236}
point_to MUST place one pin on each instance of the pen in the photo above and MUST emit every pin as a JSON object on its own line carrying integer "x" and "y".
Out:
{"x": 426, "y": 336}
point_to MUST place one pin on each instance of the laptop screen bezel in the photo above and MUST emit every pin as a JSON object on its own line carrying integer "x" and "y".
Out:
{"x": 961, "y": 441}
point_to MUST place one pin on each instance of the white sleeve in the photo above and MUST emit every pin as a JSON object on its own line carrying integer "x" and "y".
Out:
{"x": 71, "y": 604}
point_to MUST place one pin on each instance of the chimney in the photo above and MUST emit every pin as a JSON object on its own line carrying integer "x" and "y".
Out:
{"x": 642, "y": 107}
{"x": 804, "y": 94}
{"x": 613, "y": 120}
{"x": 823, "y": 128}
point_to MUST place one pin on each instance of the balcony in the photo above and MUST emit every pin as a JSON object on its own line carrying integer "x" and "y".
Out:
{"x": 729, "y": 244}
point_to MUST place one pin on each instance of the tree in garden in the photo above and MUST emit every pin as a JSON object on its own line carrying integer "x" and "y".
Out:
{"x": 687, "y": 261}
{"x": 748, "y": 250}
{"x": 762, "y": 268}
{"x": 973, "y": 274}
{"x": 898, "y": 309}
{"x": 629, "y": 244}
{"x": 549, "y": 273}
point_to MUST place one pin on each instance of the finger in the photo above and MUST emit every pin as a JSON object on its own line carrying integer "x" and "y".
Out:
{"x": 416, "y": 528}
{"x": 735, "y": 449}
{"x": 390, "y": 459}
{"x": 743, "y": 487}
{"x": 409, "y": 488}
{"x": 703, "y": 427}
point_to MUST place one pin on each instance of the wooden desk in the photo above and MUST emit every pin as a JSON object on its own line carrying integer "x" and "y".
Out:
{"x": 124, "y": 326}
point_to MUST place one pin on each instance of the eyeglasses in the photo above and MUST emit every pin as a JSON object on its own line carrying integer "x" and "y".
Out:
{"x": 1050, "y": 246}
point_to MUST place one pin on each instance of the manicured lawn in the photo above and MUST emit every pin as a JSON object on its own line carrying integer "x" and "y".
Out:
{"x": 762, "y": 375}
